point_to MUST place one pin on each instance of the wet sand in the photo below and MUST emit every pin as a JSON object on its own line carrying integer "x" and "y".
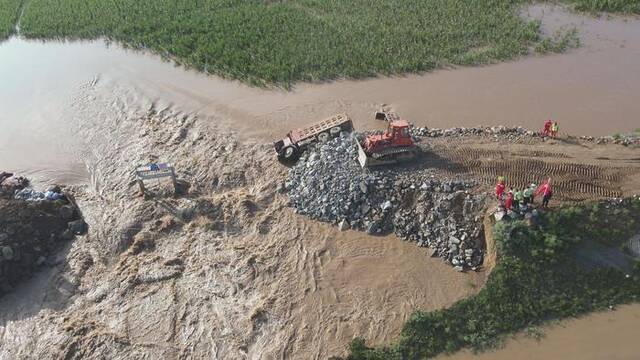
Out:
{"x": 591, "y": 90}
{"x": 608, "y": 335}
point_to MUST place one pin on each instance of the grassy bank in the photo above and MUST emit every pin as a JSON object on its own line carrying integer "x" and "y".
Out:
{"x": 268, "y": 42}
{"x": 9, "y": 11}
{"x": 536, "y": 280}
{"x": 617, "y": 6}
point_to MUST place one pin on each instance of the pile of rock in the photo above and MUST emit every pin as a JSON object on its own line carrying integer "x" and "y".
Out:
{"x": 328, "y": 184}
{"x": 493, "y": 131}
{"x": 625, "y": 140}
{"x": 520, "y": 212}
{"x": 31, "y": 233}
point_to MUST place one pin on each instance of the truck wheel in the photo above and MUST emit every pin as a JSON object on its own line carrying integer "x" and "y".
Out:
{"x": 290, "y": 153}
{"x": 335, "y": 131}
{"x": 323, "y": 137}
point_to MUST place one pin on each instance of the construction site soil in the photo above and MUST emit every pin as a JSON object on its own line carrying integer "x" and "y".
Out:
{"x": 228, "y": 270}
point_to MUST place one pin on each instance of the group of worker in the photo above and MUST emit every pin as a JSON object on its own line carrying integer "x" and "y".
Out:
{"x": 550, "y": 128}
{"x": 513, "y": 199}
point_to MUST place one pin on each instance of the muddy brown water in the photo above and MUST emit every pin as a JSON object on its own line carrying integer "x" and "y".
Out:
{"x": 591, "y": 90}
{"x": 604, "y": 335}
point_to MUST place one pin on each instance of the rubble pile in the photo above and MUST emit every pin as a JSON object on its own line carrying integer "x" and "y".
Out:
{"x": 493, "y": 131}
{"x": 328, "y": 184}
{"x": 518, "y": 133}
{"x": 625, "y": 140}
{"x": 33, "y": 225}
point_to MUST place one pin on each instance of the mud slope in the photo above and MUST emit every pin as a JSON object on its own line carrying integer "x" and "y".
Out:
{"x": 227, "y": 271}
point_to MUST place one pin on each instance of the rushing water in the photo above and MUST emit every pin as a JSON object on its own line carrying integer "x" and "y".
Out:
{"x": 592, "y": 90}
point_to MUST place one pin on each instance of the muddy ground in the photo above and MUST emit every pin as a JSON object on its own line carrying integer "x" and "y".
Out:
{"x": 228, "y": 270}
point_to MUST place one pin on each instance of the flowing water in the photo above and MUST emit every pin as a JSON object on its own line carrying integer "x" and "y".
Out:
{"x": 592, "y": 90}
{"x": 604, "y": 335}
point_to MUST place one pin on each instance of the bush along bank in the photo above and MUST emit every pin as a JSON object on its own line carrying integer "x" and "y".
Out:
{"x": 536, "y": 279}
{"x": 444, "y": 215}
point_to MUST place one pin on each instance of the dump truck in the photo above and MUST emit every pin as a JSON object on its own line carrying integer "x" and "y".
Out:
{"x": 297, "y": 140}
{"x": 392, "y": 146}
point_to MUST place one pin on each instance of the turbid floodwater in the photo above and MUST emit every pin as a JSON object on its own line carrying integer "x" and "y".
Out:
{"x": 608, "y": 335}
{"x": 356, "y": 284}
{"x": 591, "y": 90}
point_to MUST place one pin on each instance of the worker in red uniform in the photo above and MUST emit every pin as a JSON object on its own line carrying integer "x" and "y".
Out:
{"x": 508, "y": 204}
{"x": 546, "y": 131}
{"x": 546, "y": 191}
{"x": 500, "y": 188}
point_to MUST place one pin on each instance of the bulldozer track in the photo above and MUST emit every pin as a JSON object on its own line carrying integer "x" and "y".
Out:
{"x": 394, "y": 151}
{"x": 572, "y": 181}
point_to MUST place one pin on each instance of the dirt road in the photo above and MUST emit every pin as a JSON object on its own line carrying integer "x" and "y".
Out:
{"x": 579, "y": 170}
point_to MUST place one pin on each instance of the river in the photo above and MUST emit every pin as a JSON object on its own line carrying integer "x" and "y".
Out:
{"x": 591, "y": 90}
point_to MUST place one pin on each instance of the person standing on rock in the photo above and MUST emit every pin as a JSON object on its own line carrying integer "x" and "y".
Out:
{"x": 554, "y": 129}
{"x": 500, "y": 188}
{"x": 508, "y": 204}
{"x": 546, "y": 130}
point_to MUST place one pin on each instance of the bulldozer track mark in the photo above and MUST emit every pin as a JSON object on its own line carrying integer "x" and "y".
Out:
{"x": 572, "y": 181}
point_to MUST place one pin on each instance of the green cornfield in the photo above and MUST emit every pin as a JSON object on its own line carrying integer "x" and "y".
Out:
{"x": 279, "y": 42}
{"x": 622, "y": 6}
{"x": 9, "y": 11}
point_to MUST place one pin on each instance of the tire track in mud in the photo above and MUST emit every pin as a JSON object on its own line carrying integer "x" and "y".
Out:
{"x": 573, "y": 181}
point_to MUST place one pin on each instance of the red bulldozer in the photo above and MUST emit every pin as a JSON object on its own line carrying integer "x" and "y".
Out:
{"x": 392, "y": 146}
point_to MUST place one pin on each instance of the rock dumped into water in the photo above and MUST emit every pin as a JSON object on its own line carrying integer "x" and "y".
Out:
{"x": 31, "y": 233}
{"x": 328, "y": 184}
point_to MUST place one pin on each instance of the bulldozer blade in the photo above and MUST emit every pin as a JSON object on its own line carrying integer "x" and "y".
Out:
{"x": 362, "y": 156}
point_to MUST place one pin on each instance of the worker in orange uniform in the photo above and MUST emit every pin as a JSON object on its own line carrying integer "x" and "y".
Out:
{"x": 546, "y": 191}
{"x": 500, "y": 188}
{"x": 508, "y": 204}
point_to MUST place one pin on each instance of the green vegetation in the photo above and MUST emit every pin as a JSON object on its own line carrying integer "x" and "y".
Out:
{"x": 621, "y": 6}
{"x": 279, "y": 42}
{"x": 559, "y": 42}
{"x": 536, "y": 280}
{"x": 9, "y": 11}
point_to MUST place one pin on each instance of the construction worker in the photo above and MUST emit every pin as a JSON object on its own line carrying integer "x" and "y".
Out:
{"x": 508, "y": 204}
{"x": 529, "y": 193}
{"x": 546, "y": 192}
{"x": 546, "y": 130}
{"x": 554, "y": 129}
{"x": 500, "y": 188}
{"x": 518, "y": 199}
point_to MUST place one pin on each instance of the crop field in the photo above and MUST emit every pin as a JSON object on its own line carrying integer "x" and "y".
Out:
{"x": 9, "y": 10}
{"x": 622, "y": 6}
{"x": 280, "y": 42}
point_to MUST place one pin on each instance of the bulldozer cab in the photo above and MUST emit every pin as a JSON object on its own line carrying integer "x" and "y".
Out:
{"x": 398, "y": 129}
